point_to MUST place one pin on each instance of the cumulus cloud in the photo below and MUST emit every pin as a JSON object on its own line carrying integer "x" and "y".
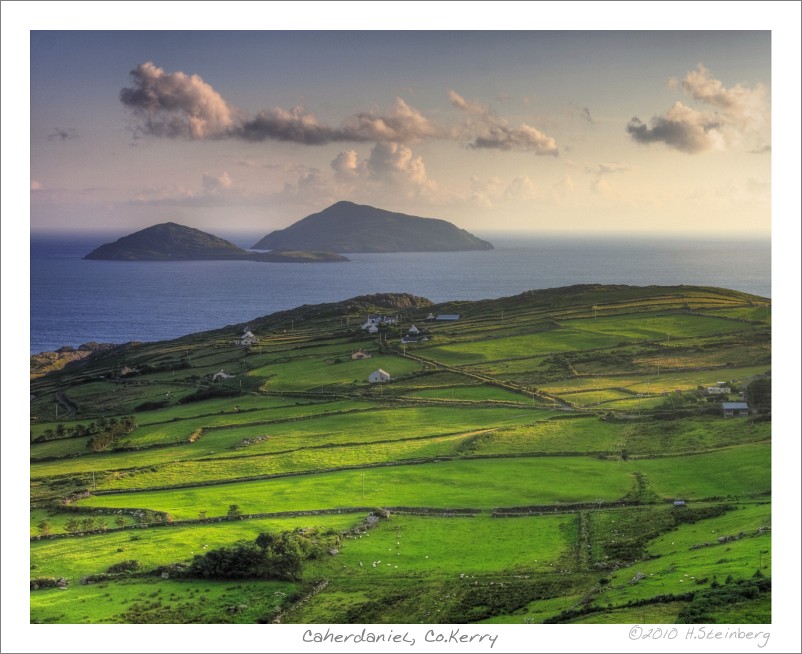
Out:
{"x": 181, "y": 105}
{"x": 388, "y": 163}
{"x": 401, "y": 124}
{"x": 346, "y": 166}
{"x": 214, "y": 190}
{"x": 177, "y": 104}
{"x": 216, "y": 183}
{"x": 489, "y": 131}
{"x": 731, "y": 115}
{"x": 521, "y": 189}
{"x": 682, "y": 128}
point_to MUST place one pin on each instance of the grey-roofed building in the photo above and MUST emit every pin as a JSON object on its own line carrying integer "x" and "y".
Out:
{"x": 734, "y": 409}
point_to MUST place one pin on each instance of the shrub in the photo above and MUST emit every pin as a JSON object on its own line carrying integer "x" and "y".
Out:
{"x": 125, "y": 566}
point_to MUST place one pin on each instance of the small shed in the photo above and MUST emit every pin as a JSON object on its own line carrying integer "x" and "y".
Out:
{"x": 734, "y": 409}
{"x": 413, "y": 330}
{"x": 379, "y": 376}
{"x": 361, "y": 354}
{"x": 448, "y": 316}
{"x": 679, "y": 503}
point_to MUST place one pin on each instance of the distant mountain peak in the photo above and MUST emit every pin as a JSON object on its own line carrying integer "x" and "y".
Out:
{"x": 349, "y": 227}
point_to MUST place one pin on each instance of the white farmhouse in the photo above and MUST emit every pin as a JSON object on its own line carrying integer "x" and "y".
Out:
{"x": 717, "y": 390}
{"x": 221, "y": 374}
{"x": 379, "y": 376}
{"x": 247, "y": 339}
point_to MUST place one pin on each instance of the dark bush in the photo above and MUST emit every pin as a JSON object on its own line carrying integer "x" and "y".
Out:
{"x": 125, "y": 566}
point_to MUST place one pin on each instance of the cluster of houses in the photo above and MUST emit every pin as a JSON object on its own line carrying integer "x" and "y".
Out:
{"x": 728, "y": 409}
{"x": 371, "y": 325}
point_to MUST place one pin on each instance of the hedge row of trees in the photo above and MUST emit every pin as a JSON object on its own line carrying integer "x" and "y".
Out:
{"x": 100, "y": 426}
{"x": 270, "y": 556}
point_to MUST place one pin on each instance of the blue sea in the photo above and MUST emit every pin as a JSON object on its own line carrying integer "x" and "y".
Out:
{"x": 74, "y": 301}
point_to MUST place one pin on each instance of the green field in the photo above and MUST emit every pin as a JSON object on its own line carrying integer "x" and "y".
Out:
{"x": 521, "y": 471}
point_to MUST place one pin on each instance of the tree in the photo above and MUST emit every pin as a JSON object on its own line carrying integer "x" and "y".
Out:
{"x": 119, "y": 521}
{"x": 283, "y": 554}
{"x": 202, "y": 515}
{"x": 758, "y": 395}
{"x": 72, "y": 525}
{"x": 234, "y": 512}
{"x": 87, "y": 524}
{"x": 44, "y": 527}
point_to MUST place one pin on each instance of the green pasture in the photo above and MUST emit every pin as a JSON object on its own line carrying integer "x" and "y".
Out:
{"x": 736, "y": 471}
{"x": 514, "y": 347}
{"x": 177, "y": 432}
{"x": 690, "y": 570}
{"x": 151, "y": 600}
{"x": 656, "y": 326}
{"x": 590, "y": 398}
{"x": 487, "y": 483}
{"x": 466, "y": 483}
{"x": 354, "y": 428}
{"x": 306, "y": 374}
{"x": 472, "y": 393}
{"x": 666, "y": 380}
{"x": 74, "y": 557}
{"x": 58, "y": 519}
{"x": 305, "y": 460}
{"x": 433, "y": 547}
{"x": 760, "y": 313}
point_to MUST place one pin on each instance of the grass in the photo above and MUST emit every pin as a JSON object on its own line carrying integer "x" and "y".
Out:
{"x": 657, "y": 326}
{"x": 161, "y": 601}
{"x": 556, "y": 340}
{"x": 437, "y": 436}
{"x": 431, "y": 547}
{"x": 313, "y": 373}
{"x": 468, "y": 483}
{"x": 79, "y": 556}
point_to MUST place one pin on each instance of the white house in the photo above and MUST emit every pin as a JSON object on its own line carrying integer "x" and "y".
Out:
{"x": 221, "y": 374}
{"x": 717, "y": 390}
{"x": 373, "y": 329}
{"x": 379, "y": 376}
{"x": 413, "y": 330}
{"x": 247, "y": 339}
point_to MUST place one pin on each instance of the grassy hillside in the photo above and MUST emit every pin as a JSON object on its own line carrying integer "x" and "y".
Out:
{"x": 521, "y": 465}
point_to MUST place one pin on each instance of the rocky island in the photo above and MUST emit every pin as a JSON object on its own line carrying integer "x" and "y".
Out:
{"x": 348, "y": 227}
{"x": 173, "y": 242}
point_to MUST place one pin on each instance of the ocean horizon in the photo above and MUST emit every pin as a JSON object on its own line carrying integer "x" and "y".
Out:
{"x": 74, "y": 301}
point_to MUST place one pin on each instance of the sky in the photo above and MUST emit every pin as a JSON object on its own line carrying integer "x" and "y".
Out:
{"x": 618, "y": 132}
